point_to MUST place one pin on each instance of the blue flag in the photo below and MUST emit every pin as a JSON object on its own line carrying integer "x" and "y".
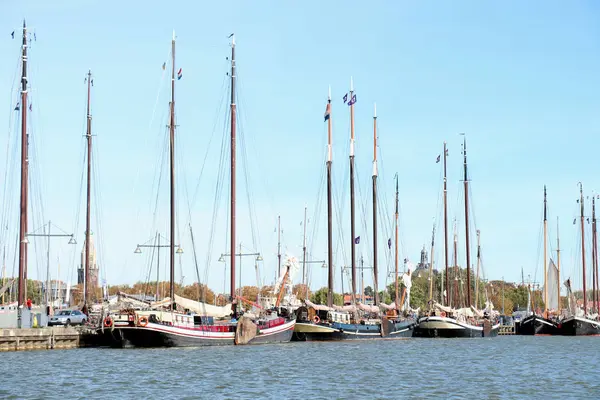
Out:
{"x": 328, "y": 111}
{"x": 346, "y": 97}
{"x": 389, "y": 243}
{"x": 352, "y": 100}
{"x": 357, "y": 240}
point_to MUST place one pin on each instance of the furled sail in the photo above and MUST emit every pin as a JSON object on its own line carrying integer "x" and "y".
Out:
{"x": 368, "y": 308}
{"x": 203, "y": 308}
{"x": 318, "y": 307}
{"x": 552, "y": 282}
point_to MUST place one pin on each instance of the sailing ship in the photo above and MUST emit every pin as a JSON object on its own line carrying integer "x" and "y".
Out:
{"x": 580, "y": 322}
{"x": 331, "y": 322}
{"x": 203, "y": 324}
{"x": 449, "y": 322}
{"x": 535, "y": 324}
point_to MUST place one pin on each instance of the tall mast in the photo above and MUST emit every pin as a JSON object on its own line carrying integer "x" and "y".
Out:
{"x": 24, "y": 181}
{"x": 233, "y": 151}
{"x": 88, "y": 135}
{"x": 595, "y": 264}
{"x": 446, "y": 227}
{"x": 467, "y": 224}
{"x": 172, "y": 151}
{"x": 279, "y": 248}
{"x": 545, "y": 256}
{"x": 304, "y": 251}
{"x": 583, "y": 249}
{"x": 352, "y": 231}
{"x": 456, "y": 297}
{"x": 397, "y": 300}
{"x": 593, "y": 253}
{"x": 431, "y": 264}
{"x": 329, "y": 209}
{"x": 558, "y": 263}
{"x": 375, "y": 286}
{"x": 478, "y": 266}
{"x": 157, "y": 266}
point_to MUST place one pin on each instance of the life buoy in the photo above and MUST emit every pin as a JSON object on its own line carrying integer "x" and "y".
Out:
{"x": 108, "y": 321}
{"x": 143, "y": 321}
{"x": 316, "y": 319}
{"x": 443, "y": 314}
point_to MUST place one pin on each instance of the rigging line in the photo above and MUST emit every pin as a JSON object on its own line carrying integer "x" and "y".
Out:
{"x": 158, "y": 180}
{"x": 316, "y": 219}
{"x": 240, "y": 98}
{"x": 363, "y": 214}
{"x": 145, "y": 142}
{"x": 219, "y": 184}
{"x": 219, "y": 111}
{"x": 99, "y": 207}
{"x": 8, "y": 191}
{"x": 247, "y": 180}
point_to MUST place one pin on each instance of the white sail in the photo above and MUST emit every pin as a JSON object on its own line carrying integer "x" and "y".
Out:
{"x": 292, "y": 263}
{"x": 203, "y": 308}
{"x": 552, "y": 286}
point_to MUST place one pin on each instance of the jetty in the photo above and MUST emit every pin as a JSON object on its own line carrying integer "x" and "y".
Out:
{"x": 13, "y": 339}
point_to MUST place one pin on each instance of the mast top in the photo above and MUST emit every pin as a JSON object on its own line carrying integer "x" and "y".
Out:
{"x": 545, "y": 217}
{"x": 173, "y": 34}
{"x": 351, "y": 84}
{"x": 329, "y": 94}
{"x": 24, "y": 24}
{"x": 232, "y": 37}
{"x": 374, "y": 110}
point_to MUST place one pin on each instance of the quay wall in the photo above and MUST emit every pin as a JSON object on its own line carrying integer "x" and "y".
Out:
{"x": 39, "y": 339}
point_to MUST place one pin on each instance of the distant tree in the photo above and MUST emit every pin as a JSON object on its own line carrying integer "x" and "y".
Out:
{"x": 320, "y": 297}
{"x": 369, "y": 291}
{"x": 300, "y": 291}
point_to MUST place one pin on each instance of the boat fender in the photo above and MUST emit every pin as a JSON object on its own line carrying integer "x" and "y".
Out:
{"x": 108, "y": 321}
{"x": 143, "y": 321}
{"x": 316, "y": 319}
{"x": 443, "y": 314}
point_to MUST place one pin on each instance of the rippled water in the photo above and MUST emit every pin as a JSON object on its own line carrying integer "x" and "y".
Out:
{"x": 504, "y": 367}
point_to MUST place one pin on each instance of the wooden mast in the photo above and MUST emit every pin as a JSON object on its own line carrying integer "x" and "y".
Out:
{"x": 558, "y": 263}
{"x": 466, "y": 182}
{"x": 397, "y": 299}
{"x": 304, "y": 252}
{"x": 478, "y": 266}
{"x": 431, "y": 264}
{"x": 352, "y": 231}
{"x": 446, "y": 227}
{"x": 545, "y": 256}
{"x": 456, "y": 297}
{"x": 595, "y": 264}
{"x": 172, "y": 156}
{"x": 375, "y": 274}
{"x": 24, "y": 182}
{"x": 329, "y": 209}
{"x": 593, "y": 253}
{"x": 88, "y": 135}
{"x": 583, "y": 249}
{"x": 233, "y": 152}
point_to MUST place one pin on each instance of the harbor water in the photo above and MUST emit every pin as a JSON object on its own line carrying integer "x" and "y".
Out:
{"x": 495, "y": 368}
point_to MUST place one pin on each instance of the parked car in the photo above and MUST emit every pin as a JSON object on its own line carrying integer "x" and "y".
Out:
{"x": 68, "y": 317}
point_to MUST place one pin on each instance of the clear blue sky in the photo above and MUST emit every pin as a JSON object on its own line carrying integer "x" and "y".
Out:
{"x": 519, "y": 78}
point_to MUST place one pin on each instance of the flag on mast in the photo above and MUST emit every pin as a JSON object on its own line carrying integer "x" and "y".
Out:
{"x": 179, "y": 74}
{"x": 328, "y": 111}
